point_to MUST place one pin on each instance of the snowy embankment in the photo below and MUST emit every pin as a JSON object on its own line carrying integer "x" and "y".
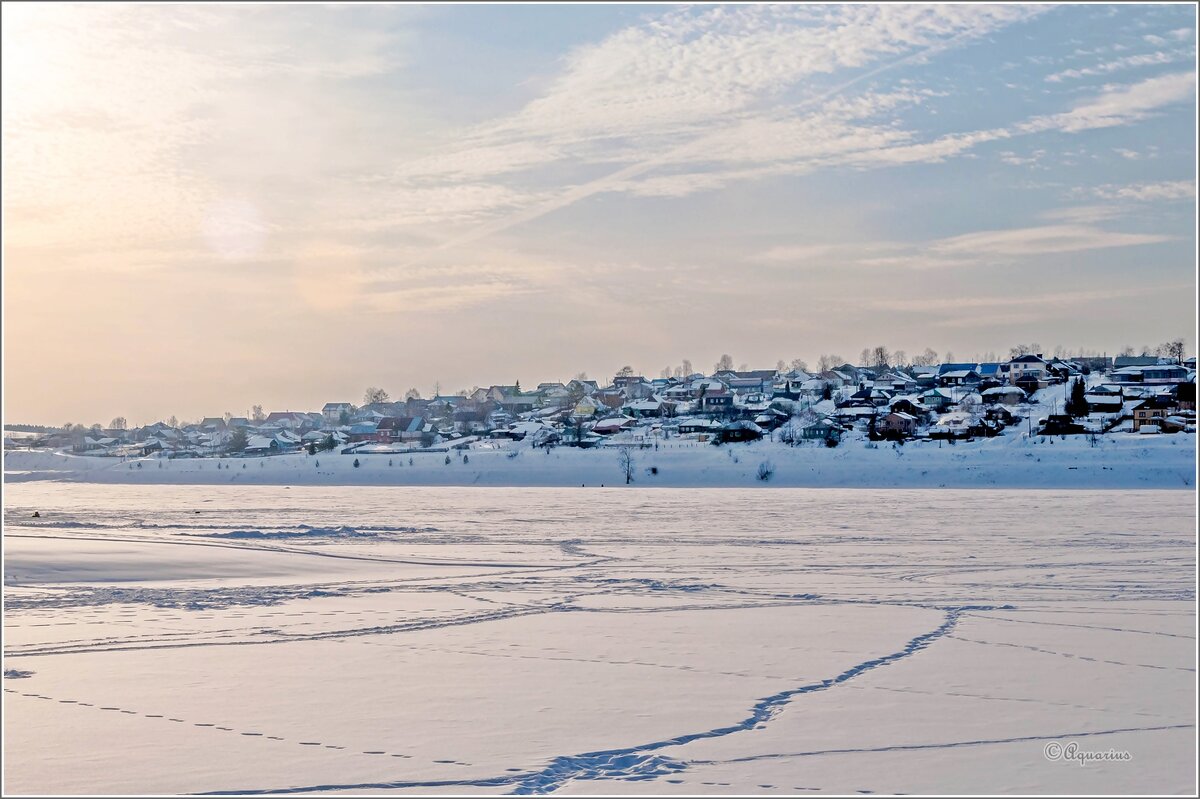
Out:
{"x": 1015, "y": 461}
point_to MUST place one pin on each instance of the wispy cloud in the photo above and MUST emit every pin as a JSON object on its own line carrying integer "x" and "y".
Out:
{"x": 1041, "y": 240}
{"x": 1119, "y": 105}
{"x": 1126, "y": 62}
{"x": 1165, "y": 190}
{"x": 1075, "y": 231}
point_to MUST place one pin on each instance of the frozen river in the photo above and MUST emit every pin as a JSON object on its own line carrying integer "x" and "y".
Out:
{"x": 172, "y": 639}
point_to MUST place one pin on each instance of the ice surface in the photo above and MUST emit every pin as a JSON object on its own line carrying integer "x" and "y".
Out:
{"x": 426, "y": 640}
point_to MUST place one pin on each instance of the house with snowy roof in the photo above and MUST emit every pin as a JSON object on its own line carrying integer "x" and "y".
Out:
{"x": 960, "y": 377}
{"x": 898, "y": 423}
{"x": 395, "y": 429}
{"x": 335, "y": 413}
{"x": 1029, "y": 368}
{"x": 1004, "y": 395}
{"x": 936, "y": 399}
{"x": 651, "y": 407}
{"x": 613, "y": 424}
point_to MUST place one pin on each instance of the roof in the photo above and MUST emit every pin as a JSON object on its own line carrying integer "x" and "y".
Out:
{"x": 856, "y": 410}
{"x": 1135, "y": 360}
{"x": 336, "y": 406}
{"x": 612, "y": 423}
{"x": 954, "y": 419}
{"x": 1157, "y": 401}
{"x": 956, "y": 367}
{"x": 753, "y": 374}
{"x": 403, "y": 424}
{"x": 527, "y": 427}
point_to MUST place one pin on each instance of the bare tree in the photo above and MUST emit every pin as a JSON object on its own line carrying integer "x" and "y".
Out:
{"x": 970, "y": 405}
{"x": 626, "y": 462}
{"x": 864, "y": 357}
{"x": 118, "y": 423}
{"x": 173, "y": 422}
{"x": 899, "y": 358}
{"x": 256, "y": 413}
{"x": 880, "y": 356}
{"x": 374, "y": 395}
{"x": 412, "y": 393}
{"x": 799, "y": 364}
{"x": 827, "y": 362}
{"x": 581, "y": 376}
{"x": 928, "y": 358}
{"x": 665, "y": 373}
{"x": 228, "y": 416}
{"x": 686, "y": 365}
{"x": 780, "y": 366}
{"x": 1172, "y": 350}
{"x": 724, "y": 365}
{"x": 625, "y": 371}
{"x": 1126, "y": 352}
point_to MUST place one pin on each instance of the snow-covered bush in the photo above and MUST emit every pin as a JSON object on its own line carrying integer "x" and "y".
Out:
{"x": 765, "y": 470}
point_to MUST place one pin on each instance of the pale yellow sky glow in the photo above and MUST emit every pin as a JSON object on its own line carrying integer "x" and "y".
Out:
{"x": 211, "y": 207}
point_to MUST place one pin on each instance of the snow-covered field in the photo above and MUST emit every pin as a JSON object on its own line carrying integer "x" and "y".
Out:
{"x": 217, "y": 638}
{"x": 1010, "y": 461}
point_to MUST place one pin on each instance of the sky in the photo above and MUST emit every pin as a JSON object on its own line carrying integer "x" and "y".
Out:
{"x": 207, "y": 208}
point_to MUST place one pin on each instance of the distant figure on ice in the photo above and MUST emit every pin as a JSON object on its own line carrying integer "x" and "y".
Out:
{"x": 37, "y": 514}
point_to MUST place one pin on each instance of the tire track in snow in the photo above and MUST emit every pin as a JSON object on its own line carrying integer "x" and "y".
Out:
{"x": 943, "y": 745}
{"x": 213, "y": 726}
{"x": 1071, "y": 655}
{"x": 285, "y": 638}
{"x": 991, "y": 698}
{"x": 1089, "y": 627}
{"x": 290, "y": 551}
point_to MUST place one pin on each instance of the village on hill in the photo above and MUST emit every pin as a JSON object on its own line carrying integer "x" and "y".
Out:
{"x": 1027, "y": 393}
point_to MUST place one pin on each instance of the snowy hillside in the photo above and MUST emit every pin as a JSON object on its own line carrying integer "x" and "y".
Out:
{"x": 1010, "y": 461}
